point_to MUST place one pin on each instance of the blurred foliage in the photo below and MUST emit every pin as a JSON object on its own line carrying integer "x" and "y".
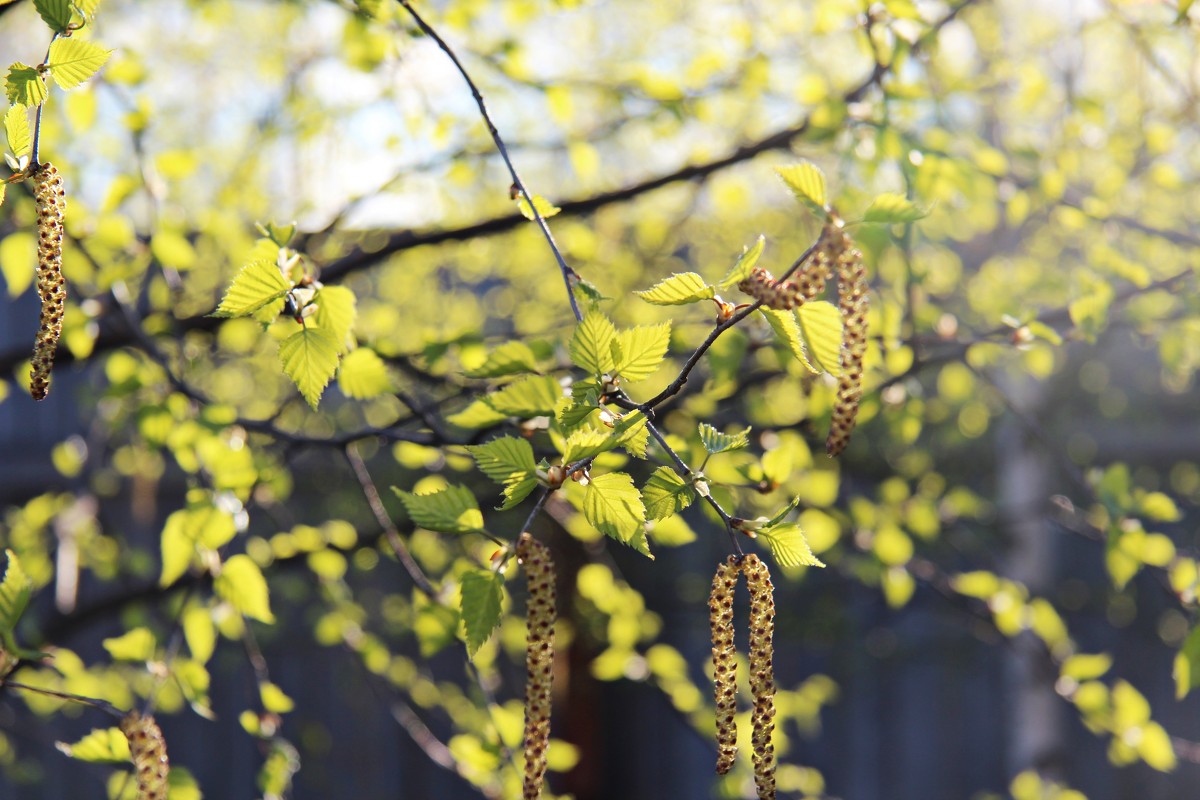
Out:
{"x": 1019, "y": 177}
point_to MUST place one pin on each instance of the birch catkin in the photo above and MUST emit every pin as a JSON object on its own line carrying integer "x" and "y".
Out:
{"x": 852, "y": 302}
{"x": 149, "y": 751}
{"x": 52, "y": 289}
{"x": 762, "y": 673}
{"x": 724, "y": 657}
{"x": 539, "y": 658}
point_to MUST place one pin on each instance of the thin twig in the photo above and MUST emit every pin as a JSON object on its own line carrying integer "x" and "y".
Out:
{"x": 567, "y": 272}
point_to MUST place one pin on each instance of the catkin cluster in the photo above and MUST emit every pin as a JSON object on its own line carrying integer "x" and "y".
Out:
{"x": 852, "y": 302}
{"x": 834, "y": 252}
{"x": 720, "y": 620}
{"x": 52, "y": 289}
{"x": 762, "y": 672}
{"x": 539, "y": 658}
{"x": 149, "y": 751}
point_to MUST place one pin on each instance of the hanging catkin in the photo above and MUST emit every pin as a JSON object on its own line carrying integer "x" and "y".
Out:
{"x": 149, "y": 751}
{"x": 807, "y": 283}
{"x": 539, "y": 658}
{"x": 52, "y": 289}
{"x": 852, "y": 302}
{"x": 724, "y": 657}
{"x": 762, "y": 673}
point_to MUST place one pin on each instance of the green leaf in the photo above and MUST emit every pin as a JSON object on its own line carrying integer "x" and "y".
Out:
{"x": 24, "y": 85}
{"x": 788, "y": 546}
{"x": 544, "y": 207}
{"x": 364, "y": 375}
{"x": 677, "y": 290}
{"x": 242, "y": 585}
{"x": 87, "y": 7}
{"x": 258, "y": 284}
{"x": 505, "y": 459}
{"x": 200, "y": 632}
{"x": 591, "y": 344}
{"x": 716, "y": 442}
{"x": 56, "y": 13}
{"x": 309, "y": 357}
{"x": 101, "y": 746}
{"x": 16, "y": 127}
{"x": 787, "y": 330}
{"x": 15, "y": 591}
{"x": 666, "y": 494}
{"x": 73, "y": 61}
{"x": 611, "y": 503}
{"x": 449, "y": 510}
{"x": 1086, "y": 666}
{"x": 533, "y": 397}
{"x": 744, "y": 264}
{"x": 638, "y": 352}
{"x": 274, "y": 699}
{"x": 632, "y": 434}
{"x": 891, "y": 208}
{"x": 517, "y": 491}
{"x": 479, "y": 414}
{"x": 135, "y": 645}
{"x": 587, "y": 442}
{"x": 482, "y": 606}
{"x": 821, "y": 323}
{"x": 510, "y": 358}
{"x": 336, "y": 311}
{"x": 807, "y": 182}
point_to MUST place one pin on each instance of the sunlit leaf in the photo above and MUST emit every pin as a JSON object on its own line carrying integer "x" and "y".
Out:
{"x": 893, "y": 209}
{"x": 363, "y": 375}
{"x": 449, "y": 510}
{"x": 807, "y": 182}
{"x": 101, "y": 746}
{"x": 242, "y": 585}
{"x": 505, "y": 459}
{"x": 679, "y": 289}
{"x": 72, "y": 61}
{"x": 258, "y": 284}
{"x": 544, "y": 207}
{"x": 137, "y": 644}
{"x": 24, "y": 85}
{"x": 821, "y": 324}
{"x": 336, "y": 311}
{"x": 612, "y": 504}
{"x": 787, "y": 330}
{"x": 482, "y": 606}
{"x": 533, "y": 397}
{"x": 15, "y": 591}
{"x": 744, "y": 264}
{"x": 591, "y": 344}
{"x": 16, "y": 127}
{"x": 638, "y": 352}
{"x": 309, "y": 358}
{"x": 788, "y": 546}
{"x": 716, "y": 442}
{"x": 56, "y": 13}
{"x": 510, "y": 358}
{"x": 666, "y": 493}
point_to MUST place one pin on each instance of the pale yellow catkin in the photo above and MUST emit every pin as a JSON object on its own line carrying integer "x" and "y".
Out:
{"x": 762, "y": 673}
{"x": 50, "y": 198}
{"x": 724, "y": 658}
{"x": 149, "y": 752}
{"x": 853, "y": 304}
{"x": 539, "y": 658}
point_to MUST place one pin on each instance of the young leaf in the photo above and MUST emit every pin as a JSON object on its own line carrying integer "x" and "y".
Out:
{"x": 336, "y": 311}
{"x": 87, "y": 7}
{"x": 73, "y": 61}
{"x": 666, "y": 494}
{"x": 821, "y": 323}
{"x": 15, "y": 591}
{"x": 611, "y": 503}
{"x": 788, "y": 546}
{"x": 101, "y": 746}
{"x": 891, "y": 208}
{"x": 631, "y": 433}
{"x": 482, "y": 606}
{"x": 585, "y": 443}
{"x": 505, "y": 459}
{"x": 16, "y": 127}
{"x": 242, "y": 585}
{"x": 510, "y": 358}
{"x": 787, "y": 330}
{"x": 56, "y": 13}
{"x": 479, "y": 414}
{"x": 309, "y": 358}
{"x": 744, "y": 264}
{"x": 450, "y": 510}
{"x": 716, "y": 442}
{"x": 807, "y": 182}
{"x": 257, "y": 285}
{"x": 532, "y": 397}
{"x": 544, "y": 207}
{"x": 24, "y": 85}
{"x": 135, "y": 645}
{"x": 591, "y": 344}
{"x": 638, "y": 352}
{"x": 363, "y": 375}
{"x": 677, "y": 290}
{"x": 516, "y": 491}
